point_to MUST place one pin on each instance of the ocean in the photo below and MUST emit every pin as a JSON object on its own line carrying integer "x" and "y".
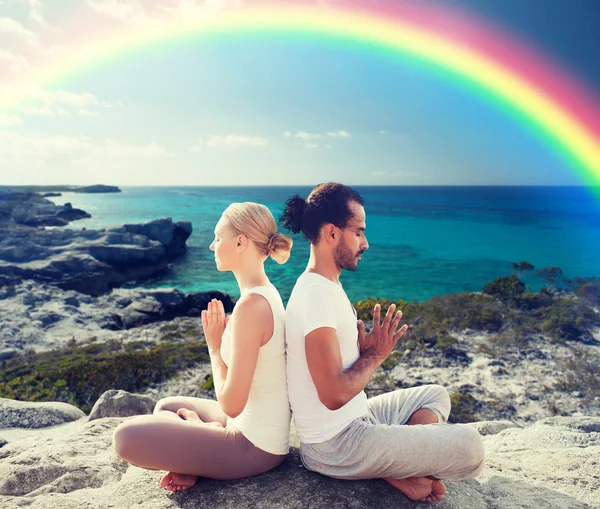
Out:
{"x": 424, "y": 241}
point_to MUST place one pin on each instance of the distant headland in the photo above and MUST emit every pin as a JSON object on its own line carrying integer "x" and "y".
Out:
{"x": 97, "y": 188}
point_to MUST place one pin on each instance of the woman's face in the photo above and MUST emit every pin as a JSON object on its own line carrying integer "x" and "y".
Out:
{"x": 224, "y": 246}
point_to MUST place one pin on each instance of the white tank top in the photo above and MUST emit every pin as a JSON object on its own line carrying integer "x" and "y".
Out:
{"x": 265, "y": 420}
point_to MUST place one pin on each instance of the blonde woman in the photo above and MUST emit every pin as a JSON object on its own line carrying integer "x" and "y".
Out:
{"x": 246, "y": 431}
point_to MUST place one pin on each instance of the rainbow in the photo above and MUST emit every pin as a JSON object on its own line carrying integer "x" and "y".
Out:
{"x": 467, "y": 49}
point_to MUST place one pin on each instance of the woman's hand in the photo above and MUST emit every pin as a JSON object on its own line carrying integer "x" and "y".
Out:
{"x": 214, "y": 322}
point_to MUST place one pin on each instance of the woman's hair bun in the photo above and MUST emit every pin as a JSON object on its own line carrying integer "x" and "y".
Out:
{"x": 293, "y": 213}
{"x": 279, "y": 247}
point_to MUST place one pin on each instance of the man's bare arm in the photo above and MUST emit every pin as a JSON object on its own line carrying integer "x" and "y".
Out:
{"x": 336, "y": 386}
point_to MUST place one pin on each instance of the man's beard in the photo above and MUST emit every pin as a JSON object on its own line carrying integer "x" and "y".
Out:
{"x": 345, "y": 258}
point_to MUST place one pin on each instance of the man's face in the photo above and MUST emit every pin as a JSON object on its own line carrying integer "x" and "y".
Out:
{"x": 352, "y": 243}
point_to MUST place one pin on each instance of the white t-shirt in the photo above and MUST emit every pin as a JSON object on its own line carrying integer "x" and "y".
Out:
{"x": 318, "y": 302}
{"x": 265, "y": 420}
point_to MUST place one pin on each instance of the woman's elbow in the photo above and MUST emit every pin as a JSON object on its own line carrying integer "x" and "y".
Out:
{"x": 232, "y": 413}
{"x": 232, "y": 410}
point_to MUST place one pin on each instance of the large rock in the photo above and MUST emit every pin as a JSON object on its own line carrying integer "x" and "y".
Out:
{"x": 121, "y": 404}
{"x": 74, "y": 466}
{"x": 91, "y": 261}
{"x": 32, "y": 209}
{"x": 493, "y": 427}
{"x": 43, "y": 317}
{"x": 26, "y": 414}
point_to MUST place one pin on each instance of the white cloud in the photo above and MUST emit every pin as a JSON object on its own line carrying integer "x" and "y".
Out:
{"x": 62, "y": 103}
{"x": 12, "y": 63}
{"x": 45, "y": 158}
{"x": 144, "y": 12}
{"x": 382, "y": 131}
{"x": 311, "y": 145}
{"x": 127, "y": 11}
{"x": 191, "y": 10}
{"x": 306, "y": 136}
{"x": 25, "y": 148}
{"x": 84, "y": 99}
{"x": 339, "y": 134}
{"x": 35, "y": 12}
{"x": 14, "y": 29}
{"x": 378, "y": 173}
{"x": 230, "y": 141}
{"x": 9, "y": 120}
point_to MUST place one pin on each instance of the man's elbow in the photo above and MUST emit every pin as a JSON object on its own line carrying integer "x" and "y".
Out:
{"x": 332, "y": 401}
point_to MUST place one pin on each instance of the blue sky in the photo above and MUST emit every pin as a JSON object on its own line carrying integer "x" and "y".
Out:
{"x": 270, "y": 111}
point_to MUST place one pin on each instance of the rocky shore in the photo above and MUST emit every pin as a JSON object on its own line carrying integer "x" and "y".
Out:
{"x": 551, "y": 464}
{"x": 88, "y": 261}
{"x": 522, "y": 367}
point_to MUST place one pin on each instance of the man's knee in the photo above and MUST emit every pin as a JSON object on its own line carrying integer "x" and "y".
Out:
{"x": 474, "y": 449}
{"x": 441, "y": 400}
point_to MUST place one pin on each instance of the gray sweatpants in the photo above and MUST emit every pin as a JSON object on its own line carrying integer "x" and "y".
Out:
{"x": 381, "y": 445}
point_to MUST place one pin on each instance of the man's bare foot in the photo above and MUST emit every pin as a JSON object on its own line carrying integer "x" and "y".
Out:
{"x": 422, "y": 489}
{"x": 177, "y": 482}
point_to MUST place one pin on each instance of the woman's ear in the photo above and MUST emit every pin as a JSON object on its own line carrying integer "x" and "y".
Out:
{"x": 240, "y": 243}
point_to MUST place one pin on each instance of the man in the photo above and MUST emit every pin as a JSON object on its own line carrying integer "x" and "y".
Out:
{"x": 401, "y": 436}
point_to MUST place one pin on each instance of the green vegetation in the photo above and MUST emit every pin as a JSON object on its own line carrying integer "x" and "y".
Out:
{"x": 208, "y": 384}
{"x": 579, "y": 374}
{"x": 504, "y": 309}
{"x": 462, "y": 409}
{"x": 80, "y": 374}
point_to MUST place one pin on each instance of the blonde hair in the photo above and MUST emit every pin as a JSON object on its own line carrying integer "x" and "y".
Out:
{"x": 256, "y": 222}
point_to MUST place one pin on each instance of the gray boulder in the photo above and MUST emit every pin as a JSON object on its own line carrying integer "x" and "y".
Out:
{"x": 25, "y": 414}
{"x": 34, "y": 210}
{"x": 121, "y": 404}
{"x": 492, "y": 427}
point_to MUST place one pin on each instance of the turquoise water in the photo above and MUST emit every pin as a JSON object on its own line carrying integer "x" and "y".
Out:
{"x": 424, "y": 241}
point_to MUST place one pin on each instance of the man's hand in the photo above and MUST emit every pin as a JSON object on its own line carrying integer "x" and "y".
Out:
{"x": 382, "y": 339}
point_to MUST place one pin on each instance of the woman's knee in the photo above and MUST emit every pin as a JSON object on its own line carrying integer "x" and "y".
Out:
{"x": 124, "y": 439}
{"x": 167, "y": 403}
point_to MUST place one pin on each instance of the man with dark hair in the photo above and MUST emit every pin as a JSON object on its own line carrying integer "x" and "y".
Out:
{"x": 401, "y": 436}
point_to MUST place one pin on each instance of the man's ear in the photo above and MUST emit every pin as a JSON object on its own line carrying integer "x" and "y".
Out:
{"x": 331, "y": 232}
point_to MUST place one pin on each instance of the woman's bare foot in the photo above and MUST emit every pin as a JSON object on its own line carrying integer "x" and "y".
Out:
{"x": 173, "y": 481}
{"x": 422, "y": 489}
{"x": 177, "y": 482}
{"x": 190, "y": 415}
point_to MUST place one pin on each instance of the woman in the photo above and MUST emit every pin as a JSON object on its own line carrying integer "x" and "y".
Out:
{"x": 246, "y": 431}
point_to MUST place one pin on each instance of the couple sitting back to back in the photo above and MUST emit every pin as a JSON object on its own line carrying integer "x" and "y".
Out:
{"x": 317, "y": 354}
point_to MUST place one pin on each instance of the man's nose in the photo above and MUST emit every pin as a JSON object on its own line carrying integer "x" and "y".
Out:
{"x": 365, "y": 244}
